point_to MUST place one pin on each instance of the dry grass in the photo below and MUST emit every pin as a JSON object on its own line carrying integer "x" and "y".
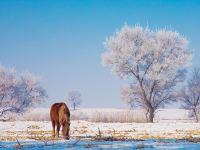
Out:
{"x": 110, "y": 115}
{"x": 107, "y": 115}
{"x": 93, "y": 115}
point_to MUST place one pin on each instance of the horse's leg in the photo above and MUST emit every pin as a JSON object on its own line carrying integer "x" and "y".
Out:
{"x": 53, "y": 125}
{"x": 58, "y": 128}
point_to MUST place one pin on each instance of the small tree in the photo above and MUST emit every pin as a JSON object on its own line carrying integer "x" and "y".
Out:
{"x": 190, "y": 95}
{"x": 74, "y": 98}
{"x": 152, "y": 61}
{"x": 18, "y": 92}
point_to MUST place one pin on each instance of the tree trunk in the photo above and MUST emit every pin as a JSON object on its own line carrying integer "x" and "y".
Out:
{"x": 197, "y": 119}
{"x": 196, "y": 115}
{"x": 74, "y": 106}
{"x": 146, "y": 115}
{"x": 151, "y": 115}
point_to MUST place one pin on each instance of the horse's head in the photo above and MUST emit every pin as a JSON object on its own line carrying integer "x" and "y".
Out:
{"x": 66, "y": 127}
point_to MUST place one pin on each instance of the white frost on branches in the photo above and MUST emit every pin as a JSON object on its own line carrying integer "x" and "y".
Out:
{"x": 18, "y": 92}
{"x": 74, "y": 98}
{"x": 190, "y": 95}
{"x": 153, "y": 61}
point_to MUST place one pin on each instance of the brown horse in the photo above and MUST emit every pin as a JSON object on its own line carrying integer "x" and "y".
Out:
{"x": 60, "y": 116}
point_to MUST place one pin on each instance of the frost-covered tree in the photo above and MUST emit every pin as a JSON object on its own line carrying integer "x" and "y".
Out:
{"x": 190, "y": 95}
{"x": 18, "y": 92}
{"x": 153, "y": 62}
{"x": 74, "y": 98}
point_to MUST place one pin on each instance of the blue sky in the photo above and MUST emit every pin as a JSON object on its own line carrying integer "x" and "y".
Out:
{"x": 62, "y": 41}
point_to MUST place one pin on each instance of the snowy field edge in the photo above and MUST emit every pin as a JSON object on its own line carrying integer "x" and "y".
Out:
{"x": 41, "y": 130}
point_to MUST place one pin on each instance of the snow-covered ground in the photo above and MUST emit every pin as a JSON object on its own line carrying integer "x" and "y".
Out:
{"x": 83, "y": 129}
{"x": 106, "y": 123}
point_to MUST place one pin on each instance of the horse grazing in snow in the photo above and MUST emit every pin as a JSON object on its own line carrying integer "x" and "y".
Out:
{"x": 60, "y": 116}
